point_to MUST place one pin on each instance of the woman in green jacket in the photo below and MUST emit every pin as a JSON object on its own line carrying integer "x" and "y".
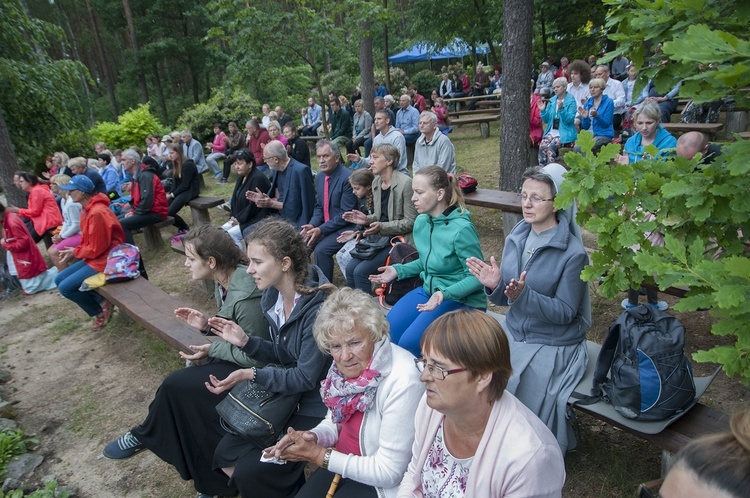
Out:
{"x": 182, "y": 426}
{"x": 444, "y": 236}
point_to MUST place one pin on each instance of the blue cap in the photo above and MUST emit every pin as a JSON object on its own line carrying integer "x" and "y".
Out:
{"x": 79, "y": 182}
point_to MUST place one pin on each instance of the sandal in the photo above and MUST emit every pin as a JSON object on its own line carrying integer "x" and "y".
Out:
{"x": 103, "y": 318}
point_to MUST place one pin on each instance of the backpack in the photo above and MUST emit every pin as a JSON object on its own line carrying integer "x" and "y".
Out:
{"x": 642, "y": 369}
{"x": 467, "y": 183}
{"x": 400, "y": 253}
{"x": 122, "y": 263}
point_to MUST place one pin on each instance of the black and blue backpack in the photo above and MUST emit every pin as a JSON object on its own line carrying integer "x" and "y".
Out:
{"x": 642, "y": 369}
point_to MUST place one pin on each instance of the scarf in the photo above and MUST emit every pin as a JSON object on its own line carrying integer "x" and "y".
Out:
{"x": 344, "y": 396}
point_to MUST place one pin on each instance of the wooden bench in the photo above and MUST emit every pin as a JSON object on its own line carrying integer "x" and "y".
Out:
{"x": 475, "y": 112}
{"x": 152, "y": 233}
{"x": 745, "y": 135}
{"x": 311, "y": 141}
{"x": 680, "y": 128}
{"x": 457, "y": 101}
{"x": 495, "y": 199}
{"x": 153, "y": 309}
{"x": 489, "y": 104}
{"x": 202, "y": 181}
{"x": 199, "y": 209}
{"x": 483, "y": 121}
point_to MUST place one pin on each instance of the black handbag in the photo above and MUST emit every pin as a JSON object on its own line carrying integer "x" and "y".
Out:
{"x": 369, "y": 247}
{"x": 255, "y": 414}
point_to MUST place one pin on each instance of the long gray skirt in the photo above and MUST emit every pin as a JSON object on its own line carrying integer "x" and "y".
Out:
{"x": 543, "y": 379}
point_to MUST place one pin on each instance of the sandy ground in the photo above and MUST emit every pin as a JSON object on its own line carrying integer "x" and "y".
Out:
{"x": 77, "y": 392}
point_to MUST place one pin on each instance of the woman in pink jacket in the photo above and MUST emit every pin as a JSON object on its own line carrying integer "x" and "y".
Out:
{"x": 498, "y": 448}
{"x": 43, "y": 211}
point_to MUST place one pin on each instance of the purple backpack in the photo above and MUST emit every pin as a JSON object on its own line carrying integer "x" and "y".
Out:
{"x": 122, "y": 263}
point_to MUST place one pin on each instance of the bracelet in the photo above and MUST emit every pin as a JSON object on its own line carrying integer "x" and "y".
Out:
{"x": 255, "y": 372}
{"x": 326, "y": 459}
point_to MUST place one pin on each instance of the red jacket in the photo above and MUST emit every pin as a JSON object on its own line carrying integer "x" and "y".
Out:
{"x": 147, "y": 192}
{"x": 100, "y": 232}
{"x": 17, "y": 240}
{"x": 42, "y": 211}
{"x": 254, "y": 144}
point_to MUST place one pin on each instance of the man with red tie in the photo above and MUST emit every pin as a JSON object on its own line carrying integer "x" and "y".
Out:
{"x": 334, "y": 198}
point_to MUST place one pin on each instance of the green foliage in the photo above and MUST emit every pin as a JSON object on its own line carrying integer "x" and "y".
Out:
{"x": 705, "y": 43}
{"x": 340, "y": 81}
{"x": 12, "y": 444}
{"x": 399, "y": 80}
{"x": 225, "y": 105}
{"x": 131, "y": 129}
{"x": 702, "y": 210}
{"x": 38, "y": 95}
{"x": 426, "y": 81}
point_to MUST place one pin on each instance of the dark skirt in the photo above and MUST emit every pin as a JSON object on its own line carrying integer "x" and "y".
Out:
{"x": 320, "y": 482}
{"x": 182, "y": 427}
{"x": 254, "y": 478}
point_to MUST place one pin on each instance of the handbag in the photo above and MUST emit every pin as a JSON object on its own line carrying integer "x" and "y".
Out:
{"x": 256, "y": 414}
{"x": 369, "y": 247}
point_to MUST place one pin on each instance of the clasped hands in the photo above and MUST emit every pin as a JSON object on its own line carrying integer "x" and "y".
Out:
{"x": 297, "y": 446}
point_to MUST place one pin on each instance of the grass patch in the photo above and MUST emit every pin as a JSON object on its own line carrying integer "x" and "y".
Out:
{"x": 89, "y": 413}
{"x": 148, "y": 350}
{"x": 64, "y": 326}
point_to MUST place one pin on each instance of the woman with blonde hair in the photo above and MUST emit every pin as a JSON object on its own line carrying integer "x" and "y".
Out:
{"x": 445, "y": 238}
{"x": 70, "y": 231}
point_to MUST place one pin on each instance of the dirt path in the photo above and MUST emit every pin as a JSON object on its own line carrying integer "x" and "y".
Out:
{"x": 69, "y": 392}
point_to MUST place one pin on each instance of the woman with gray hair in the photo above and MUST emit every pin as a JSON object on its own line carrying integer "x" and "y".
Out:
{"x": 649, "y": 131}
{"x": 549, "y": 307}
{"x": 559, "y": 114}
{"x": 371, "y": 391}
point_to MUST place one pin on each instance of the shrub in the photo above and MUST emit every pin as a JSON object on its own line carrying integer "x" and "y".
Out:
{"x": 12, "y": 444}
{"x": 399, "y": 81}
{"x": 225, "y": 105}
{"x": 425, "y": 80}
{"x": 131, "y": 129}
{"x": 340, "y": 82}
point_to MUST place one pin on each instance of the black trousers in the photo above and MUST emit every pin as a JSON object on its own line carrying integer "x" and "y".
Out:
{"x": 320, "y": 482}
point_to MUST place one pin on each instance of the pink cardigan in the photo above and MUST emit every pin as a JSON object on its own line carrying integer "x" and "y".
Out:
{"x": 517, "y": 456}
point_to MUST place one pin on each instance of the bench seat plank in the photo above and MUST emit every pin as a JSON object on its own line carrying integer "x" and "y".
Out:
{"x": 153, "y": 309}
{"x": 495, "y": 199}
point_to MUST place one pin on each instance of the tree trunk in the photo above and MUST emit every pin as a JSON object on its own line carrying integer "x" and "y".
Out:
{"x": 77, "y": 57}
{"x": 518, "y": 23}
{"x": 366, "y": 68}
{"x": 160, "y": 93}
{"x": 8, "y": 166}
{"x": 385, "y": 50}
{"x": 544, "y": 35}
{"x": 134, "y": 46}
{"x": 101, "y": 55}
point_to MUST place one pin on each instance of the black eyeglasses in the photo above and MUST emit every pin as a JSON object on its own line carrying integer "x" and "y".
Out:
{"x": 435, "y": 371}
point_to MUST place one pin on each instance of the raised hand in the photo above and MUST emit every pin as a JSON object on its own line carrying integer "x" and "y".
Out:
{"x": 192, "y": 317}
{"x": 515, "y": 287}
{"x": 200, "y": 352}
{"x": 487, "y": 274}
{"x": 387, "y": 274}
{"x": 228, "y": 330}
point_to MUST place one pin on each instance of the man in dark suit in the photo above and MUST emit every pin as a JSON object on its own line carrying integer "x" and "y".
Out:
{"x": 334, "y": 198}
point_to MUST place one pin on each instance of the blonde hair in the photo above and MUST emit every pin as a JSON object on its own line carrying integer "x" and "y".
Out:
{"x": 61, "y": 180}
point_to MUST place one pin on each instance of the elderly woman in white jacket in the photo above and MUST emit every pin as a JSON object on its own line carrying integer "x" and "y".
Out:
{"x": 365, "y": 438}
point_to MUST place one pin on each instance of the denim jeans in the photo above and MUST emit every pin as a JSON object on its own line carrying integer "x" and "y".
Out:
{"x": 70, "y": 279}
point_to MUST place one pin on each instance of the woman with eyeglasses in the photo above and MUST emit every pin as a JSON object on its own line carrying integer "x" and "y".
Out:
{"x": 549, "y": 307}
{"x": 495, "y": 448}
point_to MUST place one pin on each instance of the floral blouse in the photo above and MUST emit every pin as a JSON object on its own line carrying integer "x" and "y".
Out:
{"x": 443, "y": 475}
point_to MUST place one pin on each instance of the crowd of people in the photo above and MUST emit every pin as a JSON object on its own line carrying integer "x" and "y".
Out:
{"x": 360, "y": 377}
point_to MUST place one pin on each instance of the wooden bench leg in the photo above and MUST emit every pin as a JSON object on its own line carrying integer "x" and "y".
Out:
{"x": 200, "y": 216}
{"x": 484, "y": 130}
{"x": 201, "y": 182}
{"x": 153, "y": 237}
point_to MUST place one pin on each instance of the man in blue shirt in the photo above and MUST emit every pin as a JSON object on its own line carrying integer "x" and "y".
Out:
{"x": 315, "y": 118}
{"x": 407, "y": 120}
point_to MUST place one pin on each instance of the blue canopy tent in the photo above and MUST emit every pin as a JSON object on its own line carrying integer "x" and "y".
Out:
{"x": 424, "y": 52}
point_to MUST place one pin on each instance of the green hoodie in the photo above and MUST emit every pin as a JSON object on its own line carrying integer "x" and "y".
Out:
{"x": 444, "y": 242}
{"x": 242, "y": 306}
